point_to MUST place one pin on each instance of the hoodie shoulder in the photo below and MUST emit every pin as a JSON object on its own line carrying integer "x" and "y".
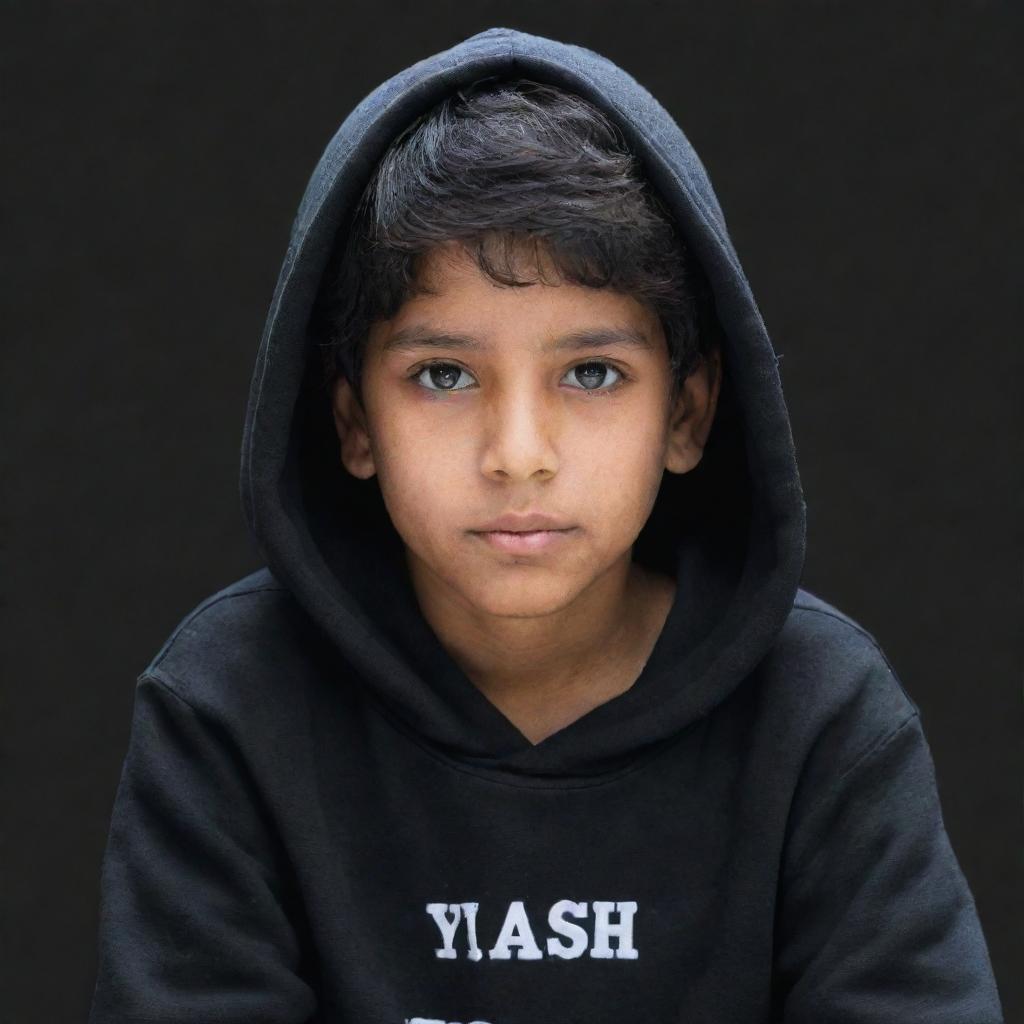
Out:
{"x": 805, "y": 601}
{"x": 831, "y": 684}
{"x": 841, "y": 641}
{"x": 232, "y": 640}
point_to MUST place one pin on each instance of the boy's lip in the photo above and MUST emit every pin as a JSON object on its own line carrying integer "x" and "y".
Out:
{"x": 523, "y": 522}
{"x": 524, "y": 542}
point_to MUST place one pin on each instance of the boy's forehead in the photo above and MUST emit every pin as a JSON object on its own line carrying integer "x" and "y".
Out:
{"x": 454, "y": 296}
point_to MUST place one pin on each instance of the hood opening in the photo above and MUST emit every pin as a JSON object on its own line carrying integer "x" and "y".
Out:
{"x": 698, "y": 532}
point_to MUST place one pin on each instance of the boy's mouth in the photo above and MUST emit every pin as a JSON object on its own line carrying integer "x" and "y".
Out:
{"x": 524, "y": 522}
{"x": 525, "y": 532}
{"x": 524, "y": 541}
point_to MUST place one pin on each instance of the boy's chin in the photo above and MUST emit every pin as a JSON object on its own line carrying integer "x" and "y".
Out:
{"x": 520, "y": 595}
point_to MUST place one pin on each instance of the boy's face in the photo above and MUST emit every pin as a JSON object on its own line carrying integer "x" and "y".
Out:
{"x": 516, "y": 424}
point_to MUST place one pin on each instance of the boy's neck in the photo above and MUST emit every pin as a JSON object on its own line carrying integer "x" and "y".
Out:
{"x": 543, "y": 673}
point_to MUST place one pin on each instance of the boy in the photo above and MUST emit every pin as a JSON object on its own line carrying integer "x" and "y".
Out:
{"x": 527, "y": 719}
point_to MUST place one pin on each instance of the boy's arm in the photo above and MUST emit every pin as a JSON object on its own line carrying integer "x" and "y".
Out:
{"x": 193, "y": 914}
{"x": 876, "y": 921}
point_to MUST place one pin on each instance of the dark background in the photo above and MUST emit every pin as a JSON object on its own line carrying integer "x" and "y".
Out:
{"x": 155, "y": 155}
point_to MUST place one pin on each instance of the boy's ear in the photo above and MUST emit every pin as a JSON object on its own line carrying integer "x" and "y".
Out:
{"x": 353, "y": 432}
{"x": 693, "y": 412}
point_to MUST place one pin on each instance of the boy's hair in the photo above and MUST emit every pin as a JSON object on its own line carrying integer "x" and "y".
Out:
{"x": 506, "y": 168}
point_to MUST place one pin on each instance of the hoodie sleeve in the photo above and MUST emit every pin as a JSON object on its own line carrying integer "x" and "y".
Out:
{"x": 876, "y": 921}
{"x": 193, "y": 919}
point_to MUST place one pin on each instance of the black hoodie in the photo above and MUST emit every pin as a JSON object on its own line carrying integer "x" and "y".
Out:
{"x": 321, "y": 818}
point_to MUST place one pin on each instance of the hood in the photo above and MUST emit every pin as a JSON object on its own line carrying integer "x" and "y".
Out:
{"x": 732, "y": 531}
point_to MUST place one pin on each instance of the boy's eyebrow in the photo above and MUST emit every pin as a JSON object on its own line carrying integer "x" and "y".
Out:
{"x": 418, "y": 336}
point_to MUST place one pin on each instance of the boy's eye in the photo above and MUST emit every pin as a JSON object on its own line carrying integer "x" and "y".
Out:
{"x": 447, "y": 375}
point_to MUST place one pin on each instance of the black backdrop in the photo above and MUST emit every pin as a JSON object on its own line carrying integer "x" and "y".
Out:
{"x": 154, "y": 156}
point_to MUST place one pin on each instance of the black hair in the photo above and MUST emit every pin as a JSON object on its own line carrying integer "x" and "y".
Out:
{"x": 504, "y": 167}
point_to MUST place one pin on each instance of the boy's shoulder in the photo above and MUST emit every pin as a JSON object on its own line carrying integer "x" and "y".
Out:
{"x": 824, "y": 673}
{"x": 827, "y": 683}
{"x": 829, "y": 643}
{"x": 234, "y": 642}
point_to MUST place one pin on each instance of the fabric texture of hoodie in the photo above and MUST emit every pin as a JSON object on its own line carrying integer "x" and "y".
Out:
{"x": 320, "y": 818}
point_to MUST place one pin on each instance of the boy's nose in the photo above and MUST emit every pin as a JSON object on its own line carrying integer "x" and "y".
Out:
{"x": 519, "y": 438}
